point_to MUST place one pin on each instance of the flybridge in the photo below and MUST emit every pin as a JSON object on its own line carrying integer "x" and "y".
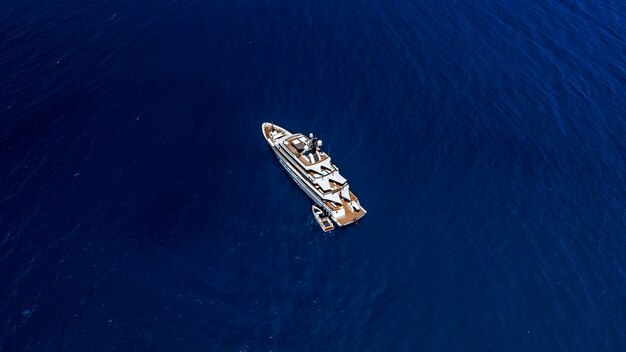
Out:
{"x": 309, "y": 148}
{"x": 313, "y": 171}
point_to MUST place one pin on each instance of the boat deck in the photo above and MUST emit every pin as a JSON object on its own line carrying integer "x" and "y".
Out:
{"x": 351, "y": 215}
{"x": 267, "y": 129}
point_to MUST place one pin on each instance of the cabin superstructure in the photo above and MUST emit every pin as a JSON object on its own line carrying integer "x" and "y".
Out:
{"x": 313, "y": 170}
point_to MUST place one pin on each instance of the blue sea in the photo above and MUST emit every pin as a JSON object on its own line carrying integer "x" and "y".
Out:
{"x": 142, "y": 210}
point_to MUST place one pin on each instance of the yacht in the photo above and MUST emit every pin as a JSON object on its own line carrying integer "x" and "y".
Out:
{"x": 315, "y": 173}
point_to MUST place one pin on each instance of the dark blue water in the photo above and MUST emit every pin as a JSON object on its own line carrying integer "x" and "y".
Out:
{"x": 141, "y": 209}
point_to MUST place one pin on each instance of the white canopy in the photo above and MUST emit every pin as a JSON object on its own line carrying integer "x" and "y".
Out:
{"x": 333, "y": 197}
{"x": 336, "y": 176}
{"x": 323, "y": 183}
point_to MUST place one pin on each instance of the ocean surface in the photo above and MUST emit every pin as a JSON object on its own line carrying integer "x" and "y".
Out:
{"x": 142, "y": 210}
